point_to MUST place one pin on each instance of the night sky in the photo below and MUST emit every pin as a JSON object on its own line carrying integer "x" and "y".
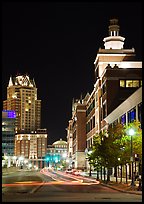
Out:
{"x": 56, "y": 44}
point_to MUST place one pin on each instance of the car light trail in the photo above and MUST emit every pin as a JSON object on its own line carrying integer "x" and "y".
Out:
{"x": 35, "y": 183}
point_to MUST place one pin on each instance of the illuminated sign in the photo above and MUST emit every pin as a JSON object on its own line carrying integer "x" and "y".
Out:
{"x": 9, "y": 113}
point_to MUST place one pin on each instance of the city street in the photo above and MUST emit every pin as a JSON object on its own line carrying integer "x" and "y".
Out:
{"x": 32, "y": 186}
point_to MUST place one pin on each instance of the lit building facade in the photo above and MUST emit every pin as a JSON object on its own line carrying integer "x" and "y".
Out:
{"x": 32, "y": 146}
{"x": 56, "y": 156}
{"x": 117, "y": 76}
{"x": 30, "y": 139}
{"x": 69, "y": 144}
{"x": 22, "y": 97}
{"x": 8, "y": 132}
{"x": 128, "y": 111}
{"x": 76, "y": 135}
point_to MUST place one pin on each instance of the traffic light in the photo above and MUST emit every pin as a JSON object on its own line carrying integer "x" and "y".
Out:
{"x": 47, "y": 158}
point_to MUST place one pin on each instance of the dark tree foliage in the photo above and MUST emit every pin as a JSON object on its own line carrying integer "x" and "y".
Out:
{"x": 112, "y": 147}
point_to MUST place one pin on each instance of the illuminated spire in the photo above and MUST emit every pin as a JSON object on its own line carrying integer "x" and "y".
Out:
{"x": 114, "y": 27}
{"x": 10, "y": 82}
{"x": 114, "y": 40}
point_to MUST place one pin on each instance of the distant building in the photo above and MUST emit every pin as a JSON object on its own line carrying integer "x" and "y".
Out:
{"x": 32, "y": 146}
{"x": 8, "y": 132}
{"x": 57, "y": 154}
{"x": 78, "y": 125}
{"x": 70, "y": 143}
{"x": 30, "y": 139}
{"x": 22, "y": 97}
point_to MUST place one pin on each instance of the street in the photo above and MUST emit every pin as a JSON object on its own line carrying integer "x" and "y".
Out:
{"x": 44, "y": 185}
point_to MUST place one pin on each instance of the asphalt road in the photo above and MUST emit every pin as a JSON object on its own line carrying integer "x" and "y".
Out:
{"x": 47, "y": 186}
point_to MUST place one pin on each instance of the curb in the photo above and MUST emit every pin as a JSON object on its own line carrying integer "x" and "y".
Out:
{"x": 118, "y": 189}
{"x": 124, "y": 191}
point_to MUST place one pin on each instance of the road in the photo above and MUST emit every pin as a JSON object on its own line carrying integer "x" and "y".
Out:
{"x": 51, "y": 186}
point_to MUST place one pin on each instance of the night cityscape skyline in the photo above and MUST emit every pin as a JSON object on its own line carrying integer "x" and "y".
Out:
{"x": 56, "y": 44}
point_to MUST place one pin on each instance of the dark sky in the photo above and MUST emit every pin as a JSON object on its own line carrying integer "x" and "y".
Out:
{"x": 56, "y": 44}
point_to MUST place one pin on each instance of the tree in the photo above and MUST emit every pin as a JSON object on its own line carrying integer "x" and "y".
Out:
{"x": 137, "y": 137}
{"x": 114, "y": 143}
{"x": 106, "y": 150}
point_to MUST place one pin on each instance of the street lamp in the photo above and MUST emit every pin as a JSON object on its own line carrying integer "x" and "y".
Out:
{"x": 131, "y": 133}
{"x": 88, "y": 152}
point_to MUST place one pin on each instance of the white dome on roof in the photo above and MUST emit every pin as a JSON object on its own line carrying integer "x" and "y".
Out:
{"x": 60, "y": 142}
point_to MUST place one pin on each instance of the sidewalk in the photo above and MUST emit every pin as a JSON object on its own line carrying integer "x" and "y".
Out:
{"x": 9, "y": 170}
{"x": 123, "y": 187}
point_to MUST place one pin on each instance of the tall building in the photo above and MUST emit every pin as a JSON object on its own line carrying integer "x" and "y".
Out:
{"x": 118, "y": 74}
{"x": 8, "y": 132}
{"x": 76, "y": 135}
{"x": 30, "y": 139}
{"x": 22, "y": 97}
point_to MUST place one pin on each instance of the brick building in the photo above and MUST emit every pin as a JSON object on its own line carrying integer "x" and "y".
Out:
{"x": 118, "y": 74}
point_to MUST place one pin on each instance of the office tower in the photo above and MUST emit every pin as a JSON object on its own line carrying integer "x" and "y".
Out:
{"x": 30, "y": 140}
{"x": 22, "y": 97}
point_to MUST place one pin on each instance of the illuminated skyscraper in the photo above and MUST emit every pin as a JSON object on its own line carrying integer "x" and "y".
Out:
{"x": 30, "y": 140}
{"x": 22, "y": 97}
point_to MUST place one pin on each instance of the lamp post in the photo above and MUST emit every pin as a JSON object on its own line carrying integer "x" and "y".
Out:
{"x": 90, "y": 162}
{"x": 90, "y": 168}
{"x": 88, "y": 152}
{"x": 131, "y": 133}
{"x": 86, "y": 158}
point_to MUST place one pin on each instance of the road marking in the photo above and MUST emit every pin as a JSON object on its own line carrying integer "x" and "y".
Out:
{"x": 27, "y": 182}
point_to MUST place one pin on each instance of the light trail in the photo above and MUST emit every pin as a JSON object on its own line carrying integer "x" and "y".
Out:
{"x": 78, "y": 180}
{"x": 34, "y": 183}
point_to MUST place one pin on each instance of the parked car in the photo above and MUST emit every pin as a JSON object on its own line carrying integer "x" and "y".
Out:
{"x": 73, "y": 171}
{"x": 77, "y": 172}
{"x": 69, "y": 171}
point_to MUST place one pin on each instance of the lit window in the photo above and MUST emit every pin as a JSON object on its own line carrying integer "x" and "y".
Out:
{"x": 123, "y": 119}
{"x": 135, "y": 83}
{"x": 128, "y": 83}
{"x": 132, "y": 83}
{"x": 122, "y": 83}
{"x": 132, "y": 115}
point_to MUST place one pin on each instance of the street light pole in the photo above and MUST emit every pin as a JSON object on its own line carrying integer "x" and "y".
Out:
{"x": 131, "y": 133}
{"x": 132, "y": 182}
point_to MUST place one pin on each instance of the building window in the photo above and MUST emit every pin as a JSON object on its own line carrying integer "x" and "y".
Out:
{"x": 104, "y": 88}
{"x": 104, "y": 111}
{"x": 93, "y": 121}
{"x": 122, "y": 83}
{"x": 132, "y": 83}
{"x": 140, "y": 112}
{"x": 123, "y": 119}
{"x": 132, "y": 115}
